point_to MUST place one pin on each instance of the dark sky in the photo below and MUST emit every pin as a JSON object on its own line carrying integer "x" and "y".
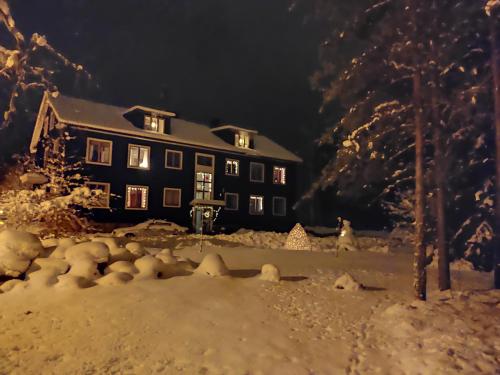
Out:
{"x": 242, "y": 62}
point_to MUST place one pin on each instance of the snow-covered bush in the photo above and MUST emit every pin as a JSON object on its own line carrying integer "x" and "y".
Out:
{"x": 17, "y": 249}
{"x": 270, "y": 272}
{"x": 212, "y": 265}
{"x": 347, "y": 282}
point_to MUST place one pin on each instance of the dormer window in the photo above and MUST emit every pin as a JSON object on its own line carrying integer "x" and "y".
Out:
{"x": 242, "y": 139}
{"x": 154, "y": 123}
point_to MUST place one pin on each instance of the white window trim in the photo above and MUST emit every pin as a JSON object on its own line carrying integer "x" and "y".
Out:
{"x": 180, "y": 197}
{"x": 147, "y": 197}
{"x": 263, "y": 171}
{"x": 225, "y": 171}
{"x": 181, "y": 159}
{"x": 237, "y": 202}
{"x": 108, "y": 188}
{"x": 250, "y": 199}
{"x": 130, "y": 145}
{"x": 279, "y": 183}
{"x": 87, "y": 159}
{"x": 276, "y": 198}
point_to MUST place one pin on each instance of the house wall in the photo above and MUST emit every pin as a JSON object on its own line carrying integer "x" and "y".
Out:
{"x": 158, "y": 177}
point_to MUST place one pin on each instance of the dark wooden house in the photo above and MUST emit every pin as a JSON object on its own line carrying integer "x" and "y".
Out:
{"x": 152, "y": 164}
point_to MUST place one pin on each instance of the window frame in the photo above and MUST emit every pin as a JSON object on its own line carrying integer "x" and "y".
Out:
{"x": 275, "y": 198}
{"x": 237, "y": 202}
{"x": 108, "y": 192}
{"x": 181, "y": 159}
{"x": 225, "y": 165}
{"x": 284, "y": 173}
{"x": 87, "y": 159}
{"x": 147, "y": 197}
{"x": 165, "y": 189}
{"x": 263, "y": 172}
{"x": 249, "y": 205}
{"x": 130, "y": 145}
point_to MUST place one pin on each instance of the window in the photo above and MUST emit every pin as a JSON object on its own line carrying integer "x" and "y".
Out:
{"x": 102, "y": 199}
{"x": 256, "y": 172}
{"x": 137, "y": 197}
{"x": 279, "y": 175}
{"x": 203, "y": 185}
{"x": 171, "y": 197}
{"x": 98, "y": 151}
{"x": 232, "y": 167}
{"x": 256, "y": 205}
{"x": 205, "y": 160}
{"x": 173, "y": 159}
{"x": 242, "y": 139}
{"x": 231, "y": 200}
{"x": 154, "y": 124}
{"x": 279, "y": 206}
{"x": 138, "y": 156}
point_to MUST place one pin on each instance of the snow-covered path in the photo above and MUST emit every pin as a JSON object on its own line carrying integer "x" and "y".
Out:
{"x": 241, "y": 325}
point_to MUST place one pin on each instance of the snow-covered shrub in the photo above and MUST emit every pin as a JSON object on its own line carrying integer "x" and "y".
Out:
{"x": 136, "y": 249}
{"x": 84, "y": 268}
{"x": 122, "y": 266}
{"x": 97, "y": 252}
{"x": 149, "y": 267}
{"x": 212, "y": 265}
{"x": 114, "y": 278}
{"x": 298, "y": 239}
{"x": 270, "y": 272}
{"x": 347, "y": 282}
{"x": 17, "y": 249}
{"x": 60, "y": 250}
{"x": 166, "y": 256}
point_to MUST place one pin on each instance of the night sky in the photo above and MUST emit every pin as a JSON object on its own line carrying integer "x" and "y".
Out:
{"x": 239, "y": 62}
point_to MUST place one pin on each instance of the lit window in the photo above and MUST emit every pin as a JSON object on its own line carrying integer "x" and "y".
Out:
{"x": 154, "y": 124}
{"x": 242, "y": 139}
{"x": 203, "y": 185}
{"x": 137, "y": 197}
{"x": 231, "y": 200}
{"x": 102, "y": 191}
{"x": 232, "y": 167}
{"x": 98, "y": 151}
{"x": 279, "y": 206}
{"x": 279, "y": 175}
{"x": 171, "y": 197}
{"x": 256, "y": 205}
{"x": 256, "y": 172}
{"x": 138, "y": 156}
{"x": 173, "y": 159}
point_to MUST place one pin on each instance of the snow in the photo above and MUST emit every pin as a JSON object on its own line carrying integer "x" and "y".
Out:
{"x": 96, "y": 252}
{"x": 347, "y": 282}
{"x": 17, "y": 249}
{"x": 347, "y": 241}
{"x": 166, "y": 256}
{"x": 297, "y": 239}
{"x": 270, "y": 272}
{"x": 135, "y": 248}
{"x": 212, "y": 265}
{"x": 134, "y": 323}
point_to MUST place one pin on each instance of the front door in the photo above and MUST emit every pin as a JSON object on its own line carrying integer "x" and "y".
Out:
{"x": 203, "y": 219}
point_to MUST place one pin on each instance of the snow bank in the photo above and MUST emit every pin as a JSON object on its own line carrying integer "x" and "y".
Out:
{"x": 17, "y": 249}
{"x": 69, "y": 281}
{"x": 149, "y": 267}
{"x": 270, "y": 272}
{"x": 347, "y": 282}
{"x": 298, "y": 239}
{"x": 43, "y": 278}
{"x": 59, "y": 266}
{"x": 212, "y": 265}
{"x": 10, "y": 285}
{"x": 85, "y": 268}
{"x": 122, "y": 266}
{"x": 97, "y": 252}
{"x": 166, "y": 256}
{"x": 62, "y": 244}
{"x": 136, "y": 249}
{"x": 114, "y": 278}
{"x": 457, "y": 265}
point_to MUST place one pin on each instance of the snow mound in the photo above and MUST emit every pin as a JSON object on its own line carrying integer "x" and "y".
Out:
{"x": 122, "y": 266}
{"x": 212, "y": 265}
{"x": 50, "y": 242}
{"x": 10, "y": 284}
{"x": 297, "y": 239}
{"x": 109, "y": 241}
{"x": 62, "y": 244}
{"x": 149, "y": 267}
{"x": 117, "y": 254}
{"x": 17, "y": 249}
{"x": 114, "y": 278}
{"x": 347, "y": 282}
{"x": 136, "y": 249}
{"x": 58, "y": 266}
{"x": 166, "y": 256}
{"x": 71, "y": 282}
{"x": 97, "y": 252}
{"x": 43, "y": 278}
{"x": 457, "y": 265}
{"x": 85, "y": 268}
{"x": 270, "y": 272}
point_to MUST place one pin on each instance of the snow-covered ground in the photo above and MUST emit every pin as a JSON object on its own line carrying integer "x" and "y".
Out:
{"x": 241, "y": 324}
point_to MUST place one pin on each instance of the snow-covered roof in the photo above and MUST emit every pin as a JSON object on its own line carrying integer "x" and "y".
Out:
{"x": 107, "y": 117}
{"x": 148, "y": 109}
{"x": 233, "y": 127}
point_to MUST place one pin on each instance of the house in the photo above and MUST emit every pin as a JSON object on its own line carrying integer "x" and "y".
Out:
{"x": 152, "y": 164}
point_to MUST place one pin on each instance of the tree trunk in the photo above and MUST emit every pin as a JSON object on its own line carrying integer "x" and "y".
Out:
{"x": 420, "y": 276}
{"x": 444, "y": 282}
{"x": 495, "y": 68}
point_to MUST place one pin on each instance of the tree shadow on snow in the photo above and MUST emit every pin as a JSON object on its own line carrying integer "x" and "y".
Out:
{"x": 246, "y": 274}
